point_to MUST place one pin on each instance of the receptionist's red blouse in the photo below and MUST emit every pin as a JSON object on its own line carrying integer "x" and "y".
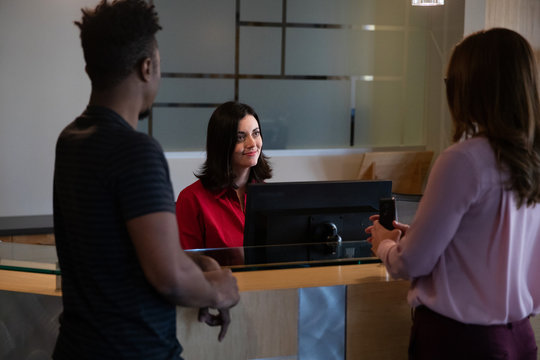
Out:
{"x": 209, "y": 219}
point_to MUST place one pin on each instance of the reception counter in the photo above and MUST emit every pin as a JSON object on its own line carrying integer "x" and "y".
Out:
{"x": 350, "y": 310}
{"x": 331, "y": 312}
{"x": 336, "y": 309}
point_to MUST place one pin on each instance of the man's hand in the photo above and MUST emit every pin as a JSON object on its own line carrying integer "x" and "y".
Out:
{"x": 172, "y": 272}
{"x": 228, "y": 296}
{"x": 222, "y": 318}
{"x": 205, "y": 263}
{"x": 224, "y": 283}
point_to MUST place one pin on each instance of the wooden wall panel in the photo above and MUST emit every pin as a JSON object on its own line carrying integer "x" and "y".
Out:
{"x": 378, "y": 321}
{"x": 264, "y": 325}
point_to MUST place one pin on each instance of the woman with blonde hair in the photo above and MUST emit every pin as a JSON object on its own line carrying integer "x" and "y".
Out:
{"x": 472, "y": 250}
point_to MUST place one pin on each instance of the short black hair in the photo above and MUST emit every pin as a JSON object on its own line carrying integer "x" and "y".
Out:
{"x": 115, "y": 38}
{"x": 217, "y": 172}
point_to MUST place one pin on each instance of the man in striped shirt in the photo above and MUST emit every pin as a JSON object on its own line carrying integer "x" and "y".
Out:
{"x": 123, "y": 270}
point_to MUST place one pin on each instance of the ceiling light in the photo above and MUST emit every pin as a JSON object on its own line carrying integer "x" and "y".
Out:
{"x": 427, "y": 2}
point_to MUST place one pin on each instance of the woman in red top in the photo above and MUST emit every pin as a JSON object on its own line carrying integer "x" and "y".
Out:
{"x": 210, "y": 212}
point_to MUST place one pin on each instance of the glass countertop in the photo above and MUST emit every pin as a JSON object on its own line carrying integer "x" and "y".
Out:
{"x": 43, "y": 259}
{"x": 29, "y": 258}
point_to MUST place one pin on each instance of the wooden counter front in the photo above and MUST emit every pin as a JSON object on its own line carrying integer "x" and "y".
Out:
{"x": 310, "y": 277}
{"x": 31, "y": 283}
{"x": 265, "y": 322}
{"x": 247, "y": 281}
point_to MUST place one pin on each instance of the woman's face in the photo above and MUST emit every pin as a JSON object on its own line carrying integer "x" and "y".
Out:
{"x": 248, "y": 144}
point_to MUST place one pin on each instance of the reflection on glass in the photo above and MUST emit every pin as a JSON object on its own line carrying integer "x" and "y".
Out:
{"x": 199, "y": 35}
{"x": 260, "y": 10}
{"x": 379, "y": 12}
{"x": 300, "y": 120}
{"x": 179, "y": 129}
{"x": 292, "y": 255}
{"x": 28, "y": 258}
{"x": 260, "y": 50}
{"x": 43, "y": 259}
{"x": 203, "y": 90}
{"x": 279, "y": 57}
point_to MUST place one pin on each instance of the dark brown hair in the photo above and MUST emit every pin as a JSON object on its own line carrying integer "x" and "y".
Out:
{"x": 492, "y": 90}
{"x": 217, "y": 172}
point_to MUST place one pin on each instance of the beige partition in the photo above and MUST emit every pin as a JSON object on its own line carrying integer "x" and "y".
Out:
{"x": 264, "y": 325}
{"x": 407, "y": 170}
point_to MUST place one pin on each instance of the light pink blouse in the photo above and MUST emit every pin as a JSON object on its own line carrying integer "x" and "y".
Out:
{"x": 470, "y": 253}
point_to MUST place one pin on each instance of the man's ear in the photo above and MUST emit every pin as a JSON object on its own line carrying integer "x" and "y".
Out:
{"x": 145, "y": 69}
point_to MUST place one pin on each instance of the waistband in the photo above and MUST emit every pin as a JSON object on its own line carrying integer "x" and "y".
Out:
{"x": 424, "y": 312}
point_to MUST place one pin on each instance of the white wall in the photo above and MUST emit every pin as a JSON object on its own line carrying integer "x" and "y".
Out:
{"x": 475, "y": 16}
{"x": 43, "y": 87}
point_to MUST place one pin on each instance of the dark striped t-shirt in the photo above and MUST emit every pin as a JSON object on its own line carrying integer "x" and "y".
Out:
{"x": 105, "y": 174}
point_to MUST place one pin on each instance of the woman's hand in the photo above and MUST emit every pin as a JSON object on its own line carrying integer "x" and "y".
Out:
{"x": 401, "y": 227}
{"x": 379, "y": 233}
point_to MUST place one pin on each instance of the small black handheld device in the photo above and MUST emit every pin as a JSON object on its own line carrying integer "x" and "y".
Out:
{"x": 387, "y": 212}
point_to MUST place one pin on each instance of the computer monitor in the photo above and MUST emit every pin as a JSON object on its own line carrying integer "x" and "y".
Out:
{"x": 313, "y": 213}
